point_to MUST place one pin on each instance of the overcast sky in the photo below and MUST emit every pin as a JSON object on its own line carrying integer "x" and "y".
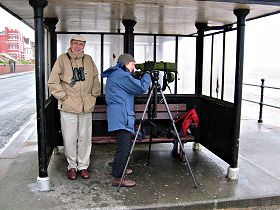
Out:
{"x": 262, "y": 42}
{"x": 8, "y": 20}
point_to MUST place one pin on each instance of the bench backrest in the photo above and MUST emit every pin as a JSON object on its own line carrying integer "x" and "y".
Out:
{"x": 100, "y": 134}
{"x": 176, "y": 110}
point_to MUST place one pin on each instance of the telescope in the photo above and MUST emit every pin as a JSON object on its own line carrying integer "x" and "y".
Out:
{"x": 154, "y": 67}
{"x": 157, "y": 66}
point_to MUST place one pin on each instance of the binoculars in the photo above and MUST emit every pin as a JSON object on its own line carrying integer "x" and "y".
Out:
{"x": 78, "y": 75}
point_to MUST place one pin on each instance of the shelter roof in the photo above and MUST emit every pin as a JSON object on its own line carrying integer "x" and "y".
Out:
{"x": 156, "y": 17}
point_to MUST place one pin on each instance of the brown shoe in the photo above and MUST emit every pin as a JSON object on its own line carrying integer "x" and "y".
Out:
{"x": 72, "y": 174}
{"x": 128, "y": 171}
{"x": 125, "y": 182}
{"x": 85, "y": 174}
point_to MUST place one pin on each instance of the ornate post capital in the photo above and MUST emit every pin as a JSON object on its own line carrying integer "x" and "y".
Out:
{"x": 38, "y": 3}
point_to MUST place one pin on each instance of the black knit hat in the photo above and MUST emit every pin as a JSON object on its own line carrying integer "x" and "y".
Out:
{"x": 126, "y": 58}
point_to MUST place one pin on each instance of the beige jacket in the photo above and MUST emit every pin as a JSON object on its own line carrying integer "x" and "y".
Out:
{"x": 81, "y": 97}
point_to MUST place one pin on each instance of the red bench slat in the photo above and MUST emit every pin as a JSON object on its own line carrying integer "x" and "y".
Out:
{"x": 112, "y": 139}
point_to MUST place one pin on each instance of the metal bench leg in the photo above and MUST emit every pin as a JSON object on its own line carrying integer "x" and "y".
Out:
{"x": 181, "y": 153}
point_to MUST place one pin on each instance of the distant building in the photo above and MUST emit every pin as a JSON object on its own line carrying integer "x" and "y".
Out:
{"x": 28, "y": 49}
{"x": 13, "y": 43}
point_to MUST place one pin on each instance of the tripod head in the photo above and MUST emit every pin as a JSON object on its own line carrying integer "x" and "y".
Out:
{"x": 155, "y": 80}
{"x": 155, "y": 76}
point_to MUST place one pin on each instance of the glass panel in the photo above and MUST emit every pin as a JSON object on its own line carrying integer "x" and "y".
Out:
{"x": 186, "y": 65}
{"x": 206, "y": 65}
{"x": 165, "y": 48}
{"x": 217, "y": 66}
{"x": 113, "y": 48}
{"x": 230, "y": 59}
{"x": 143, "y": 48}
{"x": 63, "y": 43}
{"x": 165, "y": 51}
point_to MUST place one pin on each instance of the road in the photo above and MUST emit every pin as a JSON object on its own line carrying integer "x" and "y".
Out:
{"x": 17, "y": 104}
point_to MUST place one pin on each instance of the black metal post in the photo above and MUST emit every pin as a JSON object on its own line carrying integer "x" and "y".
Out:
{"x": 102, "y": 62}
{"x": 212, "y": 60}
{"x": 176, "y": 61}
{"x": 38, "y": 7}
{"x": 241, "y": 15}
{"x": 261, "y": 102}
{"x": 50, "y": 24}
{"x": 199, "y": 57}
{"x": 155, "y": 49}
{"x": 223, "y": 66}
{"x": 129, "y": 36}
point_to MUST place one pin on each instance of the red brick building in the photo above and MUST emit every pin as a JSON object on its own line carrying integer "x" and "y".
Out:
{"x": 12, "y": 43}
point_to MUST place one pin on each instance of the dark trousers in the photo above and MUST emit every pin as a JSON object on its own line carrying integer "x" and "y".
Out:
{"x": 122, "y": 151}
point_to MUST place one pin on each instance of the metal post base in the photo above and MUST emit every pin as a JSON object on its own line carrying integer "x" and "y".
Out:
{"x": 58, "y": 150}
{"x": 233, "y": 173}
{"x": 197, "y": 146}
{"x": 43, "y": 184}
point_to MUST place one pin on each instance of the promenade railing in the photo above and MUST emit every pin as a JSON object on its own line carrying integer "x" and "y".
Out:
{"x": 261, "y": 101}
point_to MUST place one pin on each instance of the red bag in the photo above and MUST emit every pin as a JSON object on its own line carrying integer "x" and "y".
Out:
{"x": 189, "y": 117}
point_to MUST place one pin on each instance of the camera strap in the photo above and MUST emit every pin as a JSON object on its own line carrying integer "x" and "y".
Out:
{"x": 73, "y": 81}
{"x": 69, "y": 57}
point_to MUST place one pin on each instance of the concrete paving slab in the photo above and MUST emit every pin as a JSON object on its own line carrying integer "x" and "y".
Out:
{"x": 165, "y": 184}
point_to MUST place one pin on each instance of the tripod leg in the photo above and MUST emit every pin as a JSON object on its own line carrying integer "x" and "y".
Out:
{"x": 150, "y": 146}
{"x": 153, "y": 115}
{"x": 134, "y": 141}
{"x": 178, "y": 137}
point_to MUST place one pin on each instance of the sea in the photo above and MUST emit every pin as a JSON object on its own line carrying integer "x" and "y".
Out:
{"x": 271, "y": 95}
{"x": 261, "y": 61}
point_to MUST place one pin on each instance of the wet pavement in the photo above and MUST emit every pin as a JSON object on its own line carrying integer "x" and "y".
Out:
{"x": 17, "y": 103}
{"x": 165, "y": 184}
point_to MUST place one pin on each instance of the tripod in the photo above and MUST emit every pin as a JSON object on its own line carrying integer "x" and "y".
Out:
{"x": 154, "y": 89}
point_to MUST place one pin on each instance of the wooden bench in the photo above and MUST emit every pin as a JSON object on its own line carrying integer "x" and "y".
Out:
{"x": 162, "y": 120}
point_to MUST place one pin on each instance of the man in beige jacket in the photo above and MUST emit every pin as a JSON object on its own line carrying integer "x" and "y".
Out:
{"x": 75, "y": 83}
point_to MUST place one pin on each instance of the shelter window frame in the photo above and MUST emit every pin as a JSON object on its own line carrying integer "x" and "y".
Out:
{"x": 169, "y": 43}
{"x": 219, "y": 56}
